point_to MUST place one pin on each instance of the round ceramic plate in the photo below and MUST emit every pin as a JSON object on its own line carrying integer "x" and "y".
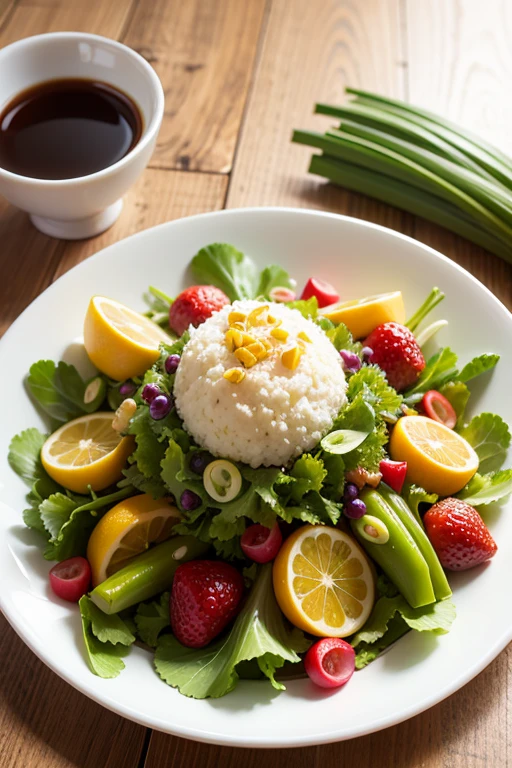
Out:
{"x": 359, "y": 259}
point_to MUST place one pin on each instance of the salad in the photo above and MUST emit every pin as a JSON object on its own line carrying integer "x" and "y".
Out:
{"x": 256, "y": 483}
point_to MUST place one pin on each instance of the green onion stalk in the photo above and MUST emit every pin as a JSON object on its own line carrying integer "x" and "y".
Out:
{"x": 417, "y": 161}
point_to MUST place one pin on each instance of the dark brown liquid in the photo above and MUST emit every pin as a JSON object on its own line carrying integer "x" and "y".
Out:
{"x": 62, "y": 129}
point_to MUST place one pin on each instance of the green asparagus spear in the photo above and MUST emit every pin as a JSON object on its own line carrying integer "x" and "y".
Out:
{"x": 389, "y": 543}
{"x": 146, "y": 575}
{"x": 398, "y": 505}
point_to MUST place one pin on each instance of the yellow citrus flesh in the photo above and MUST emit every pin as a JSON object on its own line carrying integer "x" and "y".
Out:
{"x": 323, "y": 581}
{"x": 363, "y": 315}
{"x": 120, "y": 342}
{"x": 127, "y": 530}
{"x": 438, "y": 459}
{"x": 86, "y": 451}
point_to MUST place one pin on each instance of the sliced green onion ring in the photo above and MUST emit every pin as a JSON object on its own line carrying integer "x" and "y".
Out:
{"x": 222, "y": 480}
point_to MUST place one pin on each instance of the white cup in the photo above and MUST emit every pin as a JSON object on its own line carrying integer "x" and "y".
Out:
{"x": 85, "y": 206}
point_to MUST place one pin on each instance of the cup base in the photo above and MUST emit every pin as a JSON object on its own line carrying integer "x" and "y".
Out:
{"x": 78, "y": 229}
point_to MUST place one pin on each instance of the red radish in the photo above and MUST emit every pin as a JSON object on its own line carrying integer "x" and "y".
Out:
{"x": 261, "y": 544}
{"x": 330, "y": 662}
{"x": 437, "y": 407}
{"x": 71, "y": 579}
{"x": 325, "y": 293}
{"x": 393, "y": 473}
{"x": 282, "y": 294}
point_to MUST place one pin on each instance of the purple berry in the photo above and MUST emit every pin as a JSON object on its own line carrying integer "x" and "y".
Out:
{"x": 149, "y": 392}
{"x": 171, "y": 364}
{"x": 160, "y": 406}
{"x": 351, "y": 361}
{"x": 355, "y": 509}
{"x": 190, "y": 500}
{"x": 127, "y": 389}
{"x": 367, "y": 353}
{"x": 351, "y": 492}
{"x": 199, "y": 461}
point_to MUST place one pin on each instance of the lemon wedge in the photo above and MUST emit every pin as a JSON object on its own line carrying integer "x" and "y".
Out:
{"x": 438, "y": 459}
{"x": 120, "y": 342}
{"x": 127, "y": 530}
{"x": 323, "y": 581}
{"x": 86, "y": 452}
{"x": 362, "y": 316}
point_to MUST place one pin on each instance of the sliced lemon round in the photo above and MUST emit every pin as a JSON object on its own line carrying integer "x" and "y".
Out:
{"x": 86, "y": 451}
{"x": 120, "y": 342}
{"x": 438, "y": 459}
{"x": 323, "y": 581}
{"x": 362, "y": 316}
{"x": 127, "y": 530}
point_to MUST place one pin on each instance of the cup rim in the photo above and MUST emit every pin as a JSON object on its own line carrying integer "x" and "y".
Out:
{"x": 148, "y": 134}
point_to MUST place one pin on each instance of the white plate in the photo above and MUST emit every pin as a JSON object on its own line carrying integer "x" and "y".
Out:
{"x": 359, "y": 259}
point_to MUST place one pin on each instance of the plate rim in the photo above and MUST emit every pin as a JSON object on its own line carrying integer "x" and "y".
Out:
{"x": 24, "y": 631}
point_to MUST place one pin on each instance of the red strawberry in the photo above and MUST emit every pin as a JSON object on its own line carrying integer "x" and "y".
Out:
{"x": 396, "y": 351}
{"x": 205, "y": 597}
{"x": 458, "y": 534}
{"x": 195, "y": 305}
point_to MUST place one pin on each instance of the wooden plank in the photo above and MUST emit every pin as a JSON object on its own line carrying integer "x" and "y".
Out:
{"x": 45, "y": 723}
{"x": 204, "y": 54}
{"x": 34, "y": 17}
{"x": 310, "y": 52}
{"x": 158, "y": 196}
{"x": 467, "y": 78}
{"x": 467, "y": 730}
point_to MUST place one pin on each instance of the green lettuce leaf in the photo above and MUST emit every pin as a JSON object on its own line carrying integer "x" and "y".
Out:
{"x": 222, "y": 265}
{"x": 175, "y": 475}
{"x": 490, "y": 437}
{"x": 104, "y": 658}
{"x": 358, "y": 415}
{"x": 371, "y": 452}
{"x": 457, "y": 394}
{"x": 382, "y": 627}
{"x": 41, "y": 490}
{"x": 307, "y": 307}
{"x": 234, "y": 273}
{"x": 414, "y": 495}
{"x": 371, "y": 383}
{"x": 309, "y": 474}
{"x": 272, "y": 277}
{"x": 368, "y": 652}
{"x": 334, "y": 482}
{"x": 134, "y": 478}
{"x": 486, "y": 489}
{"x": 440, "y": 368}
{"x": 259, "y": 632}
{"x": 341, "y": 337}
{"x": 69, "y": 519}
{"x": 58, "y": 389}
{"x": 478, "y": 365}
{"x": 107, "y": 628}
{"x": 152, "y": 618}
{"x": 25, "y": 455}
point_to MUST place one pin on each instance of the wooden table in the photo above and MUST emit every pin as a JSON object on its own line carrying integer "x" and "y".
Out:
{"x": 238, "y": 76}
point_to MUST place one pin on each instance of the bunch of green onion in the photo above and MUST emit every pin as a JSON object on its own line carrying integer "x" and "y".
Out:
{"x": 420, "y": 162}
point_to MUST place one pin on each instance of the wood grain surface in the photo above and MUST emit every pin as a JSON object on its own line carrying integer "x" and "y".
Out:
{"x": 238, "y": 77}
{"x": 204, "y": 54}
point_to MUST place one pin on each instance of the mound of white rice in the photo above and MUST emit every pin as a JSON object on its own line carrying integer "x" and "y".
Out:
{"x": 274, "y": 414}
